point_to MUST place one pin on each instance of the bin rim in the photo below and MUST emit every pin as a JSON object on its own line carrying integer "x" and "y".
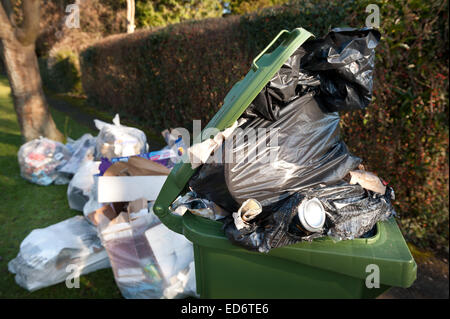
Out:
{"x": 387, "y": 248}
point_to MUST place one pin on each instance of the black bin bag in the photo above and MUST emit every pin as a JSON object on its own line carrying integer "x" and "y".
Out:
{"x": 301, "y": 146}
{"x": 351, "y": 212}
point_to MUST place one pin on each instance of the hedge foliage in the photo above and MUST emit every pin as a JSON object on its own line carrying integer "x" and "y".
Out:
{"x": 168, "y": 77}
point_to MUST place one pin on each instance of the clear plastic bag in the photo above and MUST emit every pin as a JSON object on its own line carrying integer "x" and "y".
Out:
{"x": 115, "y": 140}
{"x": 81, "y": 184}
{"x": 45, "y": 254}
{"x": 144, "y": 269}
{"x": 40, "y": 160}
{"x": 82, "y": 151}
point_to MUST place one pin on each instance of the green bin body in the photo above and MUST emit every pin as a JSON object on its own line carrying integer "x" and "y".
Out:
{"x": 319, "y": 269}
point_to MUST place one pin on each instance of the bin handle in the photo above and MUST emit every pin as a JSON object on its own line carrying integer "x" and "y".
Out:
{"x": 254, "y": 65}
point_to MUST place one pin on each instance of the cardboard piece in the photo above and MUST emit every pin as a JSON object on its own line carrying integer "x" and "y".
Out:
{"x": 104, "y": 213}
{"x": 137, "y": 205}
{"x": 129, "y": 181}
{"x": 137, "y": 166}
{"x": 129, "y": 188}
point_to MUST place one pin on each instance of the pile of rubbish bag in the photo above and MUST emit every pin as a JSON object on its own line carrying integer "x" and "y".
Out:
{"x": 119, "y": 228}
{"x": 312, "y": 187}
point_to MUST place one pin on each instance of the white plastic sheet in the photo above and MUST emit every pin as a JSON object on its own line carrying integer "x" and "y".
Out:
{"x": 46, "y": 252}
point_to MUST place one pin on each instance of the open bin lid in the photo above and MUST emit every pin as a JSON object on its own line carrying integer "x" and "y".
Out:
{"x": 387, "y": 249}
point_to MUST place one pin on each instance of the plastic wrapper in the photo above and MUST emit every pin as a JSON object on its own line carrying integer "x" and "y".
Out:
{"x": 351, "y": 212}
{"x": 82, "y": 151}
{"x": 81, "y": 184}
{"x": 92, "y": 204}
{"x": 144, "y": 269}
{"x": 115, "y": 140}
{"x": 198, "y": 206}
{"x": 301, "y": 147}
{"x": 45, "y": 254}
{"x": 165, "y": 157}
{"x": 40, "y": 159}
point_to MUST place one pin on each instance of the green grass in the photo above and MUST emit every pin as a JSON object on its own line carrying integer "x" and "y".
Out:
{"x": 25, "y": 206}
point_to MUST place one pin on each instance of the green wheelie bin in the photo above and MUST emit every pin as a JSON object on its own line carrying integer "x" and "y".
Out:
{"x": 322, "y": 268}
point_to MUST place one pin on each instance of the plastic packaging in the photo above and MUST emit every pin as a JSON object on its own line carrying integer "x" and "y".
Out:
{"x": 45, "y": 254}
{"x": 351, "y": 212}
{"x": 115, "y": 140}
{"x": 80, "y": 186}
{"x": 82, "y": 151}
{"x": 92, "y": 204}
{"x": 148, "y": 259}
{"x": 40, "y": 159}
{"x": 198, "y": 206}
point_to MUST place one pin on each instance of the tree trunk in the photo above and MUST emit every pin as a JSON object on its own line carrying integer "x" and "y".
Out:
{"x": 26, "y": 87}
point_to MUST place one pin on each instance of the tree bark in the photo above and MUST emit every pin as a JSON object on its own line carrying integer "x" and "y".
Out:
{"x": 19, "y": 57}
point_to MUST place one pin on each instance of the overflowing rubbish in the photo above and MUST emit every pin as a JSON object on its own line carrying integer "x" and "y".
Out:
{"x": 296, "y": 181}
{"x": 40, "y": 159}
{"x": 49, "y": 255}
{"x": 299, "y": 180}
{"x": 341, "y": 211}
{"x": 116, "y": 140}
{"x": 303, "y": 131}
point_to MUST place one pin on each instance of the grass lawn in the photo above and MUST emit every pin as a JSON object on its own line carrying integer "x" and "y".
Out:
{"x": 26, "y": 206}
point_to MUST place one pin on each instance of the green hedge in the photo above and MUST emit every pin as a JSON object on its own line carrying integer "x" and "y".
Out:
{"x": 168, "y": 77}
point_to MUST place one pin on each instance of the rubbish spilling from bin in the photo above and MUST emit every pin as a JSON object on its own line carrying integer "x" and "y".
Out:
{"x": 301, "y": 191}
{"x": 296, "y": 182}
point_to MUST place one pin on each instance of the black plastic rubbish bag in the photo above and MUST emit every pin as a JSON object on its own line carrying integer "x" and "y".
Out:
{"x": 343, "y": 63}
{"x": 351, "y": 212}
{"x": 299, "y": 106}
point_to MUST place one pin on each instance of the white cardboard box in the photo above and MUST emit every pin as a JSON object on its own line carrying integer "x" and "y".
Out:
{"x": 128, "y": 188}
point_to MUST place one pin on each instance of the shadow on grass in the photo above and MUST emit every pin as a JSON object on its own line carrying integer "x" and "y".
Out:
{"x": 8, "y": 138}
